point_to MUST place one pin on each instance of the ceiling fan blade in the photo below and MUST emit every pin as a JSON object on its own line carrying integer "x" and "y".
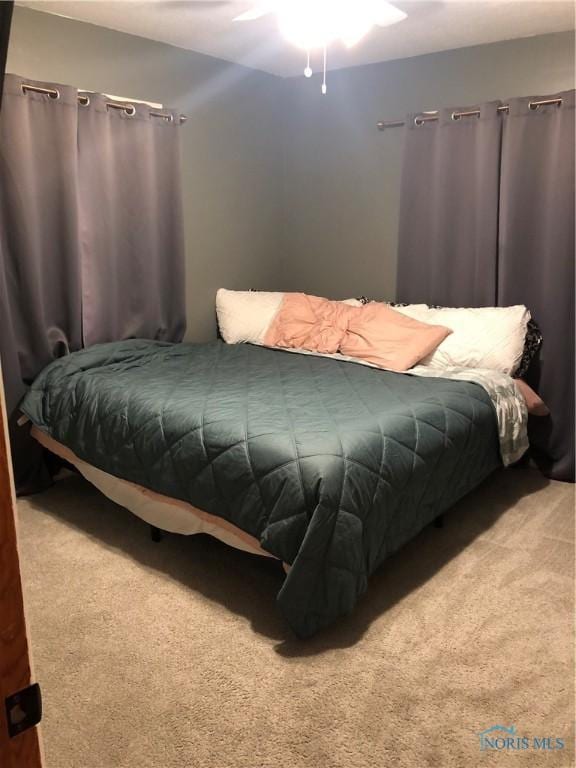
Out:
{"x": 255, "y": 13}
{"x": 387, "y": 14}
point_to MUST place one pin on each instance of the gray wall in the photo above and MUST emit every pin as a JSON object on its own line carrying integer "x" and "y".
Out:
{"x": 232, "y": 157}
{"x": 342, "y": 181}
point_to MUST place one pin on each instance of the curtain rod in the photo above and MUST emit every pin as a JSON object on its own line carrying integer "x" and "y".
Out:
{"x": 432, "y": 116}
{"x": 84, "y": 100}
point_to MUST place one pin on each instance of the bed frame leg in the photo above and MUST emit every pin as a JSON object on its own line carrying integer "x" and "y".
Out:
{"x": 439, "y": 522}
{"x": 155, "y": 534}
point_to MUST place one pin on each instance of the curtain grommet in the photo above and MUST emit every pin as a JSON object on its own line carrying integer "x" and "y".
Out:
{"x": 52, "y": 93}
{"x": 535, "y": 105}
{"x": 167, "y": 117}
{"x": 128, "y": 109}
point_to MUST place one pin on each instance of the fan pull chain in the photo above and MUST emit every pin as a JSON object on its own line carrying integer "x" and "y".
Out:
{"x": 324, "y": 88}
{"x": 308, "y": 70}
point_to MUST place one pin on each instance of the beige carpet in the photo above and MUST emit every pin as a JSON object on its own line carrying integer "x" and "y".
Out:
{"x": 172, "y": 655}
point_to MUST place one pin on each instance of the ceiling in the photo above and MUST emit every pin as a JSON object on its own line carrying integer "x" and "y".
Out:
{"x": 206, "y": 26}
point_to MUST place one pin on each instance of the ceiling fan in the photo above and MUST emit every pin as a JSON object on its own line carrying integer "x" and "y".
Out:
{"x": 315, "y": 24}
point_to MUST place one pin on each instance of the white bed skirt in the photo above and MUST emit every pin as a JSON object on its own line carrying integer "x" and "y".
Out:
{"x": 163, "y": 512}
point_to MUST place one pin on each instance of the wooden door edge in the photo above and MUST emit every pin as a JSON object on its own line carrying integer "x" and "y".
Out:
{"x": 24, "y": 750}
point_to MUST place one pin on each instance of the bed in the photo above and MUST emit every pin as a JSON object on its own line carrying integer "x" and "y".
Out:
{"x": 326, "y": 465}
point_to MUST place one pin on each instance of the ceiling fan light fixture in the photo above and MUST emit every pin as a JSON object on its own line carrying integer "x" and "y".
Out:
{"x": 315, "y": 24}
{"x": 307, "y": 25}
{"x": 312, "y": 24}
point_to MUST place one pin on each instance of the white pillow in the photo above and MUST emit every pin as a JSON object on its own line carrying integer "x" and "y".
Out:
{"x": 244, "y": 316}
{"x": 483, "y": 337}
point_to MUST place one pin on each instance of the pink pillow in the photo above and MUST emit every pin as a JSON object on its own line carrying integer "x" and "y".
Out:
{"x": 389, "y": 339}
{"x": 536, "y": 406}
{"x": 309, "y": 322}
{"x": 374, "y": 333}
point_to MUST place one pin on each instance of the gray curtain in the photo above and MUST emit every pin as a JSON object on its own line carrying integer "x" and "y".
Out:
{"x": 39, "y": 230}
{"x": 448, "y": 237}
{"x": 131, "y": 223}
{"x": 487, "y": 218}
{"x": 5, "y": 23}
{"x": 91, "y": 243}
{"x": 6, "y": 9}
{"x": 536, "y": 259}
{"x": 40, "y": 290}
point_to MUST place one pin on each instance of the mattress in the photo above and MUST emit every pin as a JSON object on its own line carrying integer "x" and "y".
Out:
{"x": 328, "y": 465}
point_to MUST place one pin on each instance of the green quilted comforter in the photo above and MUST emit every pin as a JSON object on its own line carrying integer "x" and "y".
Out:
{"x": 331, "y": 465}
